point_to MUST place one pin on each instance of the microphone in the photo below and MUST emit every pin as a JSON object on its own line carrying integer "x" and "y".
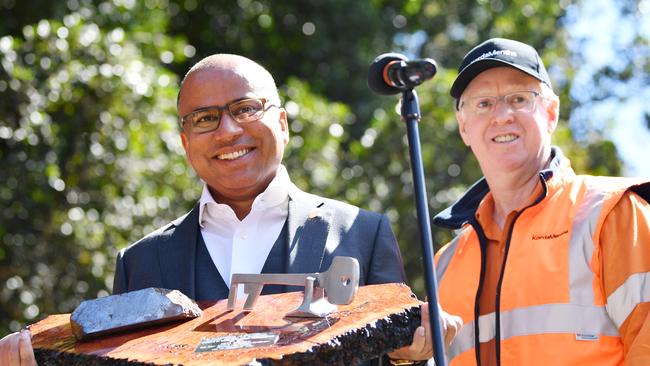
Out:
{"x": 391, "y": 73}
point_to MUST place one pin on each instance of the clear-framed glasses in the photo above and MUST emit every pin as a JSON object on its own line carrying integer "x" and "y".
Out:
{"x": 521, "y": 101}
{"x": 242, "y": 111}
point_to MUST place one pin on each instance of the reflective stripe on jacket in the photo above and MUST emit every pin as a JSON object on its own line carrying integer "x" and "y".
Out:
{"x": 551, "y": 308}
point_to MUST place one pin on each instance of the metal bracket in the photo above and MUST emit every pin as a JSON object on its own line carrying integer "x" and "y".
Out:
{"x": 340, "y": 282}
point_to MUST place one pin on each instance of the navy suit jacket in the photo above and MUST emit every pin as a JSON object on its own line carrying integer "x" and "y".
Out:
{"x": 318, "y": 230}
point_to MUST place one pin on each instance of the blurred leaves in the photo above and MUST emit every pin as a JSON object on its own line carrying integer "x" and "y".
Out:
{"x": 611, "y": 70}
{"x": 88, "y": 130}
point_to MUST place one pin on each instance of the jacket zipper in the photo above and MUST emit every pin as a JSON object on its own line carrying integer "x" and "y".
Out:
{"x": 483, "y": 245}
{"x": 497, "y": 310}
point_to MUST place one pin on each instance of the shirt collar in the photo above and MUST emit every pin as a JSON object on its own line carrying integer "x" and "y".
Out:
{"x": 276, "y": 193}
{"x": 485, "y": 209}
{"x": 462, "y": 211}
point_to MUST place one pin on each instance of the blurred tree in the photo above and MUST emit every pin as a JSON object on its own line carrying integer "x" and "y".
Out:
{"x": 88, "y": 134}
{"x": 611, "y": 76}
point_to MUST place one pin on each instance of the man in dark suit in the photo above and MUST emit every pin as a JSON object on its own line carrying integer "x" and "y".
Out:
{"x": 234, "y": 131}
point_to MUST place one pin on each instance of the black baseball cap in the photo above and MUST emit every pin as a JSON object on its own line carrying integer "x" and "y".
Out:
{"x": 497, "y": 52}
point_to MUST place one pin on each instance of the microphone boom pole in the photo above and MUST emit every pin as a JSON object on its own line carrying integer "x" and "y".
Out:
{"x": 392, "y": 73}
{"x": 410, "y": 112}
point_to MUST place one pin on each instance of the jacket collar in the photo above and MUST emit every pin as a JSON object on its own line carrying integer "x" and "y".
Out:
{"x": 464, "y": 210}
{"x": 309, "y": 232}
{"x": 177, "y": 254}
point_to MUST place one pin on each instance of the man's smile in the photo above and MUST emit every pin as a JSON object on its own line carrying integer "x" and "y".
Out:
{"x": 505, "y": 138}
{"x": 233, "y": 155}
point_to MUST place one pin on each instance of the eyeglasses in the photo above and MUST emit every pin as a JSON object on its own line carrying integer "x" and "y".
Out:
{"x": 521, "y": 101}
{"x": 242, "y": 111}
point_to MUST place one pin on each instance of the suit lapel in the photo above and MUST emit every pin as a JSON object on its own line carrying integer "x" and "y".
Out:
{"x": 177, "y": 255}
{"x": 309, "y": 228}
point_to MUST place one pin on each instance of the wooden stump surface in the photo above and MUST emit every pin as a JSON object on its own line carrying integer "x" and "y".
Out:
{"x": 380, "y": 319}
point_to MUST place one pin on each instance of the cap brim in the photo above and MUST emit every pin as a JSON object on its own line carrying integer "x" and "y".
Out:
{"x": 470, "y": 72}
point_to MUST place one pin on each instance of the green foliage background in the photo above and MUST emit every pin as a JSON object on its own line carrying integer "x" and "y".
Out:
{"x": 89, "y": 148}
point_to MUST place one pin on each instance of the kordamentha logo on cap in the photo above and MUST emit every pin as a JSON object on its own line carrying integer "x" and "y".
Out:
{"x": 497, "y": 52}
{"x": 494, "y": 53}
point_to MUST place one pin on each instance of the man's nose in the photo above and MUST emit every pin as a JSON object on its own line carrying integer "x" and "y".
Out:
{"x": 229, "y": 126}
{"x": 503, "y": 112}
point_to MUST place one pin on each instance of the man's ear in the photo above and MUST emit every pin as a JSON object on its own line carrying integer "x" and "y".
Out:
{"x": 284, "y": 125}
{"x": 553, "y": 112}
{"x": 462, "y": 127}
{"x": 185, "y": 142}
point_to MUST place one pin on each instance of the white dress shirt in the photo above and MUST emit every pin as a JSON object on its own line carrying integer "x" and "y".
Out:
{"x": 242, "y": 246}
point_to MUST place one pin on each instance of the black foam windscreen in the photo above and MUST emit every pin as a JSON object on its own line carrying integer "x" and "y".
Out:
{"x": 376, "y": 81}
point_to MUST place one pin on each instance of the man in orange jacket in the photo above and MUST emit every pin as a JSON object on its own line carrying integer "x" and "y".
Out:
{"x": 549, "y": 267}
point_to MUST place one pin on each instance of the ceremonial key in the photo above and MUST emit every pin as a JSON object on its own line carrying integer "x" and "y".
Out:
{"x": 340, "y": 282}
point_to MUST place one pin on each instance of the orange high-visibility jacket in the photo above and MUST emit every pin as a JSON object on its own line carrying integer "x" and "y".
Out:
{"x": 550, "y": 306}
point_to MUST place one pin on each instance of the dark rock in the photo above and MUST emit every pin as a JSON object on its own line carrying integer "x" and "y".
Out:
{"x": 136, "y": 309}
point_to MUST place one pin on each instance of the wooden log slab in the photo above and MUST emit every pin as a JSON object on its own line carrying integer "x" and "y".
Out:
{"x": 380, "y": 318}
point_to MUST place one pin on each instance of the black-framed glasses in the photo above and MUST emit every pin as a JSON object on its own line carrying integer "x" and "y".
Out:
{"x": 242, "y": 111}
{"x": 520, "y": 101}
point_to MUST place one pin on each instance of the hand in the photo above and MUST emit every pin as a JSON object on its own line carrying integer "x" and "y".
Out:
{"x": 420, "y": 348}
{"x": 16, "y": 349}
